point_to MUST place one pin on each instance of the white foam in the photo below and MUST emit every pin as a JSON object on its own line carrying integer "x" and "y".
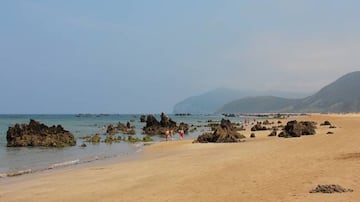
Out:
{"x": 66, "y": 163}
{"x": 17, "y": 173}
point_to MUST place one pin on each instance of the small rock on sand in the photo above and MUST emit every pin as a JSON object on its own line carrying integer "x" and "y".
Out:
{"x": 330, "y": 188}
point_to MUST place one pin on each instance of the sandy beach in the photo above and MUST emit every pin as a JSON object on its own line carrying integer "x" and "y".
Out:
{"x": 260, "y": 169}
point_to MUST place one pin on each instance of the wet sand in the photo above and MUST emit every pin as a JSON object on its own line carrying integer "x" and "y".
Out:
{"x": 260, "y": 169}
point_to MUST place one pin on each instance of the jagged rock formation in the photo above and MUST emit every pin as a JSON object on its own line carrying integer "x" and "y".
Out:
{"x": 36, "y": 134}
{"x": 155, "y": 127}
{"x": 225, "y": 132}
{"x": 142, "y": 118}
{"x": 120, "y": 127}
{"x": 297, "y": 129}
{"x": 258, "y": 127}
{"x": 273, "y": 133}
{"x": 92, "y": 138}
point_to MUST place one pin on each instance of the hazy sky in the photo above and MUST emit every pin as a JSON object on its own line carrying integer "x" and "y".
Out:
{"x": 142, "y": 56}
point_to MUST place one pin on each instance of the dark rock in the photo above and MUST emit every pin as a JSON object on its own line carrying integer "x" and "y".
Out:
{"x": 330, "y": 133}
{"x": 142, "y": 118}
{"x": 131, "y": 131}
{"x": 111, "y": 130}
{"x": 224, "y": 133}
{"x": 332, "y": 126}
{"x": 330, "y": 188}
{"x": 147, "y": 139}
{"x": 266, "y": 122}
{"x": 206, "y": 137}
{"x": 184, "y": 126}
{"x": 258, "y": 127}
{"x": 111, "y": 139}
{"x": 37, "y": 134}
{"x": 92, "y": 138}
{"x": 122, "y": 127}
{"x": 166, "y": 121}
{"x": 154, "y": 127}
{"x": 326, "y": 123}
{"x": 252, "y": 135}
{"x": 183, "y": 114}
{"x": 83, "y": 145}
{"x": 213, "y": 126}
{"x": 273, "y": 133}
{"x": 297, "y": 129}
{"x": 132, "y": 139}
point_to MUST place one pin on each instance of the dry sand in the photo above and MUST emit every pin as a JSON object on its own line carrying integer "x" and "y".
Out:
{"x": 260, "y": 169}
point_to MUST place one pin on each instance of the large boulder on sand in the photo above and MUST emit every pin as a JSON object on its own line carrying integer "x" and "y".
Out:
{"x": 225, "y": 132}
{"x": 258, "y": 127}
{"x": 273, "y": 133}
{"x": 297, "y": 129}
{"x": 37, "y": 134}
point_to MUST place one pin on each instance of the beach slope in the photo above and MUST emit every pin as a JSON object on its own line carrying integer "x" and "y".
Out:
{"x": 260, "y": 169}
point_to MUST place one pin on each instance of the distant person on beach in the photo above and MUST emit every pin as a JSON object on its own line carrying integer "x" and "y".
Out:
{"x": 167, "y": 133}
{"x": 171, "y": 134}
{"x": 181, "y": 133}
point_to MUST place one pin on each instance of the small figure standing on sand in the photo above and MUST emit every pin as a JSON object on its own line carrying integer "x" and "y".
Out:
{"x": 181, "y": 133}
{"x": 167, "y": 133}
{"x": 171, "y": 134}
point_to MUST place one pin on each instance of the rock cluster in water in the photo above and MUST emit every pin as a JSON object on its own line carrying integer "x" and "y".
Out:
{"x": 142, "y": 118}
{"x": 120, "y": 127}
{"x": 37, "y": 134}
{"x": 225, "y": 132}
{"x": 297, "y": 129}
{"x": 155, "y": 127}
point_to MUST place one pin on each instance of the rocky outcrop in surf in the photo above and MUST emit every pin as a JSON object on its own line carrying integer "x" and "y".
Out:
{"x": 120, "y": 127}
{"x": 142, "y": 118}
{"x": 36, "y": 134}
{"x": 155, "y": 127}
{"x": 224, "y": 133}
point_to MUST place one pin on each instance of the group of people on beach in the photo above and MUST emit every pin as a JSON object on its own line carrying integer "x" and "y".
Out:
{"x": 170, "y": 134}
{"x": 247, "y": 121}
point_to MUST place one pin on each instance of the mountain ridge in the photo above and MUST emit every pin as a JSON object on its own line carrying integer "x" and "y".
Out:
{"x": 210, "y": 102}
{"x": 342, "y": 95}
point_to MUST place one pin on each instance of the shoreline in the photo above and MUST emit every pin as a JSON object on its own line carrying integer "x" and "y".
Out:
{"x": 260, "y": 169}
{"x": 74, "y": 163}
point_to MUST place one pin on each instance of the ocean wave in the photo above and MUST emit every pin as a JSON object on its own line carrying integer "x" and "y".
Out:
{"x": 63, "y": 164}
{"x": 17, "y": 173}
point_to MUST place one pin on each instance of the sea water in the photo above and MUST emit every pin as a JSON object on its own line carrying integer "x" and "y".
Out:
{"x": 19, "y": 160}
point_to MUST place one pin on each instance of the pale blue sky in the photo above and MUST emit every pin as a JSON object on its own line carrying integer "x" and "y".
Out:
{"x": 144, "y": 56}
